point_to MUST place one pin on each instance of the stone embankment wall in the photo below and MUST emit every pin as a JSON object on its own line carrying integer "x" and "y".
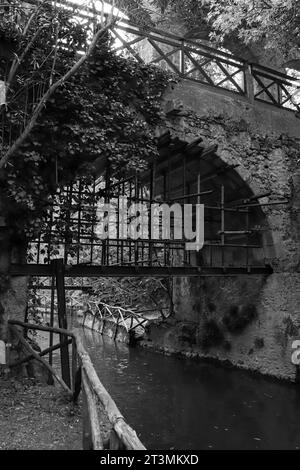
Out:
{"x": 105, "y": 327}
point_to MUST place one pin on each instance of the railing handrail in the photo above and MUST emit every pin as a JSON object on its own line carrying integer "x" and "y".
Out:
{"x": 144, "y": 31}
{"x": 178, "y": 40}
{"x": 272, "y": 72}
{"x": 214, "y": 50}
{"x": 122, "y": 314}
{"x": 85, "y": 378}
{"x": 278, "y": 96}
{"x": 251, "y": 74}
{"x": 126, "y": 435}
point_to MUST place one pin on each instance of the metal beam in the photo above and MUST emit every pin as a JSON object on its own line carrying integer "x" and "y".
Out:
{"x": 135, "y": 271}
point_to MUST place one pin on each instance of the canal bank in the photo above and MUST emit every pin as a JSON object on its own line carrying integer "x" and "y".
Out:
{"x": 176, "y": 403}
{"x": 244, "y": 347}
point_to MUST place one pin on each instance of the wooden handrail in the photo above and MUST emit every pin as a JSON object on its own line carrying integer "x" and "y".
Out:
{"x": 41, "y": 354}
{"x": 91, "y": 419}
{"x": 85, "y": 378}
{"x": 30, "y": 326}
{"x": 126, "y": 435}
{"x": 252, "y": 73}
{"x": 36, "y": 356}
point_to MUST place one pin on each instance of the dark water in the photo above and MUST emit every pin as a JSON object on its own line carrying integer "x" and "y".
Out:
{"x": 180, "y": 404}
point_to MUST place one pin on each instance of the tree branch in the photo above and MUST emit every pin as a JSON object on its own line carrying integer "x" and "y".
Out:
{"x": 36, "y": 356}
{"x": 21, "y": 139}
{"x": 18, "y": 61}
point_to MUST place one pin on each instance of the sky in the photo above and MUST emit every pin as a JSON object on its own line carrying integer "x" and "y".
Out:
{"x": 98, "y": 4}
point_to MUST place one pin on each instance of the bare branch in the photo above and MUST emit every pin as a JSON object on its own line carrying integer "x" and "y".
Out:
{"x": 17, "y": 144}
{"x": 16, "y": 63}
{"x": 55, "y": 57}
{"x": 18, "y": 60}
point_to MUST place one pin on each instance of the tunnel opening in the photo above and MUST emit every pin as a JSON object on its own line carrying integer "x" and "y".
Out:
{"x": 236, "y": 231}
{"x": 235, "y": 226}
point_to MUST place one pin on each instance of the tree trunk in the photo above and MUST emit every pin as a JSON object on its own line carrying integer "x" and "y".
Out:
{"x": 5, "y": 259}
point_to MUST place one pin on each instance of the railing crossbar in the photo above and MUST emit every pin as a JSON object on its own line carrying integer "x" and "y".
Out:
{"x": 188, "y": 46}
{"x": 95, "y": 391}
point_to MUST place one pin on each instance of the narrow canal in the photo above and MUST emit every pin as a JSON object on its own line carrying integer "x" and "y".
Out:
{"x": 181, "y": 404}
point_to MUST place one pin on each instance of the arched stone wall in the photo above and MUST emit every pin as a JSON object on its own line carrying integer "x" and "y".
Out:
{"x": 262, "y": 139}
{"x": 249, "y": 321}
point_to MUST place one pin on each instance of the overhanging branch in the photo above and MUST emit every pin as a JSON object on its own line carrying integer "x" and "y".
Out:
{"x": 72, "y": 71}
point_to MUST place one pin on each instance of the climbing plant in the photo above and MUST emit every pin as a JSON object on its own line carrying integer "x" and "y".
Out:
{"x": 72, "y": 105}
{"x": 107, "y": 111}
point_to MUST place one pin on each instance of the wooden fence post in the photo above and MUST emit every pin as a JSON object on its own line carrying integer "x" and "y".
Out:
{"x": 62, "y": 319}
{"x": 74, "y": 363}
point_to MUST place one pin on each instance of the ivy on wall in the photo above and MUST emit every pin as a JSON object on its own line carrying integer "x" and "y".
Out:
{"x": 107, "y": 112}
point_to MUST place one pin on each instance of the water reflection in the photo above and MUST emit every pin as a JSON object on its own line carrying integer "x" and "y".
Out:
{"x": 180, "y": 404}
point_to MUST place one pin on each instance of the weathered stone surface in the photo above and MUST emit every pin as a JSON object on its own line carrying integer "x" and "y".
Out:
{"x": 106, "y": 327}
{"x": 265, "y": 142}
{"x": 16, "y": 298}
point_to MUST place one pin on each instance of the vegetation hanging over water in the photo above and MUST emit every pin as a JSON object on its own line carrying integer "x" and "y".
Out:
{"x": 72, "y": 104}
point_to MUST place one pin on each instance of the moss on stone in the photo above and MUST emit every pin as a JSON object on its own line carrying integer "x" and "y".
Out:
{"x": 239, "y": 317}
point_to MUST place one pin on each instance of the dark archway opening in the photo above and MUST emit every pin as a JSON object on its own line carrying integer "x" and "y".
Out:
{"x": 236, "y": 228}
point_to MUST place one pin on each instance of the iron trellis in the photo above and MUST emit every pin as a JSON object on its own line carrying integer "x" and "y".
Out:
{"x": 233, "y": 244}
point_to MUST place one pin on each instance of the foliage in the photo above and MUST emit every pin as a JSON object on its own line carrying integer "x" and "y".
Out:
{"x": 152, "y": 12}
{"x": 108, "y": 111}
{"x": 275, "y": 24}
{"x": 141, "y": 294}
{"x": 151, "y": 296}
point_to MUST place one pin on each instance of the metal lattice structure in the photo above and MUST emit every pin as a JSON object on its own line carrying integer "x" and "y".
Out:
{"x": 234, "y": 234}
{"x": 190, "y": 60}
{"x": 185, "y": 173}
{"x": 195, "y": 61}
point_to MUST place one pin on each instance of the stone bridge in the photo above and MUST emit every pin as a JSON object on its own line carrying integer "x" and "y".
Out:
{"x": 211, "y": 313}
{"x": 246, "y": 117}
{"x": 251, "y": 114}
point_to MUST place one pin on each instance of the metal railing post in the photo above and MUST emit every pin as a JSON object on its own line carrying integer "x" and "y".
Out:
{"x": 62, "y": 319}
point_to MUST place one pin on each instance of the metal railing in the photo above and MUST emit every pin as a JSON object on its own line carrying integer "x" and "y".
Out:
{"x": 81, "y": 246}
{"x": 196, "y": 61}
{"x": 187, "y": 59}
{"x": 104, "y": 427}
{"x": 275, "y": 88}
{"x": 127, "y": 318}
{"x": 200, "y": 63}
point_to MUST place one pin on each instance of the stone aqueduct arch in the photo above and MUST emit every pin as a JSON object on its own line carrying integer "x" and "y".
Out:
{"x": 265, "y": 142}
